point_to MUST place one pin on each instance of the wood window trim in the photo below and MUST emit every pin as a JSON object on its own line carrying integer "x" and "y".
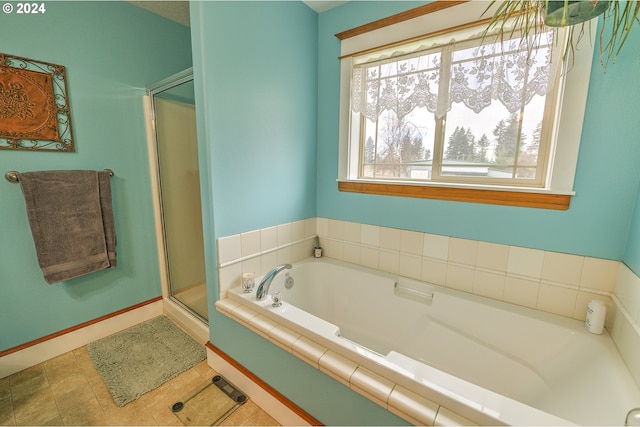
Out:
{"x": 399, "y": 17}
{"x": 470, "y": 195}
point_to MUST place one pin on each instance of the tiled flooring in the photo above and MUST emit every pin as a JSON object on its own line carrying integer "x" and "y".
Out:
{"x": 67, "y": 390}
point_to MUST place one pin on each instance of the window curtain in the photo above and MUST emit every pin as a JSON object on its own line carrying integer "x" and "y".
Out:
{"x": 474, "y": 74}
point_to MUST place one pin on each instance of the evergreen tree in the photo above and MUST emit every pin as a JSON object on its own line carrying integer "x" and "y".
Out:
{"x": 502, "y": 143}
{"x": 369, "y": 150}
{"x": 482, "y": 147}
{"x": 459, "y": 147}
{"x": 471, "y": 141}
{"x": 508, "y": 140}
{"x": 529, "y": 155}
{"x": 534, "y": 146}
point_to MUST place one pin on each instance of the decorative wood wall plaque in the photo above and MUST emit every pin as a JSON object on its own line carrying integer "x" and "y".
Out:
{"x": 34, "y": 106}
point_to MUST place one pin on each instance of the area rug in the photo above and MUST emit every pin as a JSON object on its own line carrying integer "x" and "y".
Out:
{"x": 143, "y": 357}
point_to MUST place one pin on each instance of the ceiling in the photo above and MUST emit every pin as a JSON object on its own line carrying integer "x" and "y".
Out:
{"x": 179, "y": 10}
{"x": 321, "y": 5}
{"x": 175, "y": 10}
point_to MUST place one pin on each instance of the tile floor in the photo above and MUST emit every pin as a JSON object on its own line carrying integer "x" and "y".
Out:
{"x": 67, "y": 390}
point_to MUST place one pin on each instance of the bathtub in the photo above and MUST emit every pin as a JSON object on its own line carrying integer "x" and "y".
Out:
{"x": 424, "y": 351}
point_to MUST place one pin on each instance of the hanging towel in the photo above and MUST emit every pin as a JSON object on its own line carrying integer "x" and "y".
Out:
{"x": 71, "y": 221}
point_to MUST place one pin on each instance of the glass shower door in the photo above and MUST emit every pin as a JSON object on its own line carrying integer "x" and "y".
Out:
{"x": 179, "y": 187}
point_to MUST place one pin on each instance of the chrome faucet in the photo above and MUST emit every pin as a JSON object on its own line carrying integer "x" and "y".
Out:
{"x": 263, "y": 287}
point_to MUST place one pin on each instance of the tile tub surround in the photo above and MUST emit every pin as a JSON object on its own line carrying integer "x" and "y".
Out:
{"x": 501, "y": 327}
{"x": 623, "y": 322}
{"x": 415, "y": 407}
{"x": 258, "y": 251}
{"x": 548, "y": 281}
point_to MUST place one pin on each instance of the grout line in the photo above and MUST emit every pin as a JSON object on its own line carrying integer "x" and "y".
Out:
{"x": 626, "y": 314}
{"x": 13, "y": 406}
{"x": 596, "y": 291}
{"x": 53, "y": 395}
{"x": 560, "y": 285}
{"x": 105, "y": 411}
{"x": 265, "y": 252}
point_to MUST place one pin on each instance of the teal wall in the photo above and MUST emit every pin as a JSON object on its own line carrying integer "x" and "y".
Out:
{"x": 259, "y": 64}
{"x": 112, "y": 52}
{"x": 632, "y": 58}
{"x": 632, "y": 254}
{"x": 255, "y": 70}
{"x": 268, "y": 135}
{"x": 267, "y": 96}
{"x": 606, "y": 182}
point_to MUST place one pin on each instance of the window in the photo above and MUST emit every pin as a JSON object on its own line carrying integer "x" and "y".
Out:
{"x": 459, "y": 111}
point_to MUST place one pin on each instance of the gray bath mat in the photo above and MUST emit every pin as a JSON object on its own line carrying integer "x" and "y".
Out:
{"x": 143, "y": 357}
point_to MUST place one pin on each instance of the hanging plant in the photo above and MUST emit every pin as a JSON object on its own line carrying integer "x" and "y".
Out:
{"x": 532, "y": 17}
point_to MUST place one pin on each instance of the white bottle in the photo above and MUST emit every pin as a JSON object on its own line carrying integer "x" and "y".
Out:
{"x": 596, "y": 311}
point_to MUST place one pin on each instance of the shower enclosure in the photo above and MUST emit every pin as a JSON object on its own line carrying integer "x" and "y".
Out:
{"x": 172, "y": 105}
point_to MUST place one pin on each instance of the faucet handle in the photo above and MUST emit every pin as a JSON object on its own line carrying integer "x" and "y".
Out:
{"x": 277, "y": 299}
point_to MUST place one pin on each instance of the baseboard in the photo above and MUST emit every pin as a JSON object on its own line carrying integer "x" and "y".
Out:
{"x": 34, "y": 352}
{"x": 278, "y": 406}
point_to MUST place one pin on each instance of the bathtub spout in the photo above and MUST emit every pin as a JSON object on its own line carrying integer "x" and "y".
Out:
{"x": 263, "y": 287}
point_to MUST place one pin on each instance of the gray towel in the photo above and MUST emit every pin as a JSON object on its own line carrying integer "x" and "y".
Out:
{"x": 71, "y": 221}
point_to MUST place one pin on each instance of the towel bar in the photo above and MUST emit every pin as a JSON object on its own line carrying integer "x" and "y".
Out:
{"x": 12, "y": 176}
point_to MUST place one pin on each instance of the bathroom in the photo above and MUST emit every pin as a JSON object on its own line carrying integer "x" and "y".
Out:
{"x": 268, "y": 126}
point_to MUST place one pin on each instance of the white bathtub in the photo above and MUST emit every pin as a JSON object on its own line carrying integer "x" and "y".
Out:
{"x": 488, "y": 361}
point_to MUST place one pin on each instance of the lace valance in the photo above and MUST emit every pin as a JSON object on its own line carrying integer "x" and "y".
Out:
{"x": 471, "y": 73}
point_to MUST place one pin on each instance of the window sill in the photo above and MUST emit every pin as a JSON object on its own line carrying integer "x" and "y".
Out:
{"x": 527, "y": 199}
